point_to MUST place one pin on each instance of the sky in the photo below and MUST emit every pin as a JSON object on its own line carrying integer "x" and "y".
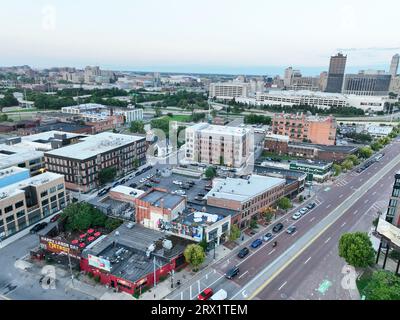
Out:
{"x": 199, "y": 36}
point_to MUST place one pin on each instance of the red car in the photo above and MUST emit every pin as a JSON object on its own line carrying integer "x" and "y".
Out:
{"x": 55, "y": 218}
{"x": 205, "y": 294}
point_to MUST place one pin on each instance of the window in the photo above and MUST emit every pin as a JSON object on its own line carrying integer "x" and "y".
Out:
{"x": 10, "y": 219}
{"x": 20, "y": 213}
{"x": 19, "y": 204}
{"x": 43, "y": 194}
{"x": 45, "y": 202}
{"x": 52, "y": 189}
{"x": 53, "y": 199}
{"x": 8, "y": 209}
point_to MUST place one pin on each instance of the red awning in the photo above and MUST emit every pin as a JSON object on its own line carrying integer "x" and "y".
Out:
{"x": 75, "y": 241}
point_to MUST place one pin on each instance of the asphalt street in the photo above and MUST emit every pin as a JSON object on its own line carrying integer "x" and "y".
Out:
{"x": 351, "y": 193}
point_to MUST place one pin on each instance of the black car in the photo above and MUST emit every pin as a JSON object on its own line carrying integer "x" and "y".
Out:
{"x": 138, "y": 173}
{"x": 122, "y": 181}
{"x": 101, "y": 193}
{"x": 243, "y": 252}
{"x": 38, "y": 227}
{"x": 232, "y": 273}
{"x": 200, "y": 194}
{"x": 185, "y": 186}
{"x": 133, "y": 185}
{"x": 191, "y": 182}
{"x": 278, "y": 227}
{"x": 311, "y": 205}
{"x": 115, "y": 184}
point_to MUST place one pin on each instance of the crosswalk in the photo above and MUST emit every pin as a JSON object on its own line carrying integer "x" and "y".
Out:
{"x": 341, "y": 183}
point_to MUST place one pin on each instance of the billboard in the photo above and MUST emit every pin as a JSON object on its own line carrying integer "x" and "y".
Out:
{"x": 99, "y": 263}
{"x": 59, "y": 247}
{"x": 389, "y": 231}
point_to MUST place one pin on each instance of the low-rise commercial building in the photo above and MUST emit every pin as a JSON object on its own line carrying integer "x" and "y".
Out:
{"x": 211, "y": 144}
{"x": 82, "y": 163}
{"x": 229, "y": 90}
{"x": 319, "y": 170}
{"x": 28, "y": 201}
{"x": 249, "y": 196}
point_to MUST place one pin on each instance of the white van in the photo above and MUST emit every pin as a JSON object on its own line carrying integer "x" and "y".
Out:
{"x": 219, "y": 295}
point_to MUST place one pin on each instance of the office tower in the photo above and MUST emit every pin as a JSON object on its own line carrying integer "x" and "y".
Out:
{"x": 367, "y": 83}
{"x": 394, "y": 65}
{"x": 336, "y": 73}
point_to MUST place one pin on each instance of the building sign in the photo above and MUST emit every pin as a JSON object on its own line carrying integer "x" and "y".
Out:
{"x": 59, "y": 247}
{"x": 99, "y": 263}
{"x": 389, "y": 231}
{"x": 309, "y": 169}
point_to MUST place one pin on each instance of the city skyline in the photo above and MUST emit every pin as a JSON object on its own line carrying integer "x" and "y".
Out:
{"x": 196, "y": 39}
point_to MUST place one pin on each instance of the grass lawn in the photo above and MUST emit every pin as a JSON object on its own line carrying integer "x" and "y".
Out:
{"x": 180, "y": 118}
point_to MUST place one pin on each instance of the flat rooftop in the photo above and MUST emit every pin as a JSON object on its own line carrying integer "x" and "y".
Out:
{"x": 286, "y": 173}
{"x": 155, "y": 197}
{"x": 331, "y": 148}
{"x": 128, "y": 191}
{"x": 93, "y": 145}
{"x": 13, "y": 155}
{"x": 314, "y": 163}
{"x": 216, "y": 129}
{"x": 135, "y": 264}
{"x": 243, "y": 189}
{"x": 35, "y": 181}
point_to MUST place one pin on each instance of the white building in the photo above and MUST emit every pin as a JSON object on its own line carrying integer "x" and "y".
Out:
{"x": 221, "y": 145}
{"x": 229, "y": 90}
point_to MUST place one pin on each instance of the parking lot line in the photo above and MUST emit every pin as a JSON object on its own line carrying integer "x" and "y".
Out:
{"x": 243, "y": 274}
{"x": 271, "y": 252}
{"x": 282, "y": 285}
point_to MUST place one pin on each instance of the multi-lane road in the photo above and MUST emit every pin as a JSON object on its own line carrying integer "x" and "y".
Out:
{"x": 276, "y": 273}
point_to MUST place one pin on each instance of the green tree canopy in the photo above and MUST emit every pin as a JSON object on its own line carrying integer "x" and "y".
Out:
{"x": 194, "y": 255}
{"x": 347, "y": 164}
{"x": 284, "y": 203}
{"x": 365, "y": 152}
{"x": 384, "y": 285}
{"x": 107, "y": 175}
{"x": 257, "y": 119}
{"x": 235, "y": 232}
{"x": 210, "y": 172}
{"x": 337, "y": 169}
{"x": 137, "y": 127}
{"x": 356, "y": 248}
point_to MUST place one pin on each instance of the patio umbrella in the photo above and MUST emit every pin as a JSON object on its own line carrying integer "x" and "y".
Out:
{"x": 74, "y": 241}
{"x": 97, "y": 234}
{"x": 90, "y": 231}
{"x": 82, "y": 236}
{"x": 90, "y": 239}
{"x": 82, "y": 245}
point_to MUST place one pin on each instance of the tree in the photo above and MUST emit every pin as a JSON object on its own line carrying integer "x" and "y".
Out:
{"x": 194, "y": 255}
{"x": 268, "y": 214}
{"x": 210, "y": 172}
{"x": 235, "y": 232}
{"x": 301, "y": 198}
{"x": 107, "y": 175}
{"x": 8, "y": 101}
{"x": 337, "y": 169}
{"x": 356, "y": 248}
{"x": 353, "y": 158}
{"x": 376, "y": 146}
{"x": 284, "y": 203}
{"x": 384, "y": 285}
{"x": 365, "y": 152}
{"x": 253, "y": 223}
{"x": 81, "y": 216}
{"x": 347, "y": 164}
{"x": 137, "y": 127}
{"x": 158, "y": 112}
{"x": 257, "y": 119}
{"x": 112, "y": 224}
{"x": 213, "y": 113}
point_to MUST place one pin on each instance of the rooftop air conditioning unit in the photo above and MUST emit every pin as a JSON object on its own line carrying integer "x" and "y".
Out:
{"x": 167, "y": 244}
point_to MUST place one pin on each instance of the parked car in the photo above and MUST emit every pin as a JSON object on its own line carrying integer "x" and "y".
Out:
{"x": 191, "y": 182}
{"x": 311, "y": 205}
{"x": 55, "y": 218}
{"x": 243, "y": 252}
{"x": 200, "y": 194}
{"x": 148, "y": 185}
{"x": 303, "y": 210}
{"x": 133, "y": 185}
{"x": 205, "y": 294}
{"x": 177, "y": 182}
{"x": 142, "y": 180}
{"x": 207, "y": 188}
{"x": 291, "y": 229}
{"x": 155, "y": 180}
{"x": 122, "y": 181}
{"x": 115, "y": 184}
{"x": 256, "y": 243}
{"x": 38, "y": 227}
{"x": 231, "y": 273}
{"x": 180, "y": 192}
{"x": 268, "y": 236}
{"x": 101, "y": 192}
{"x": 296, "y": 215}
{"x": 278, "y": 227}
{"x": 185, "y": 186}
{"x": 198, "y": 198}
{"x": 219, "y": 295}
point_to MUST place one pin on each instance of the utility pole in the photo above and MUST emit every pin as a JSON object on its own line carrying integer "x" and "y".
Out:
{"x": 70, "y": 267}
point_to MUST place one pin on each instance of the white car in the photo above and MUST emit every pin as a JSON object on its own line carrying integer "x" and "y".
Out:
{"x": 303, "y": 210}
{"x": 297, "y": 215}
{"x": 180, "y": 192}
{"x": 177, "y": 182}
{"x": 142, "y": 180}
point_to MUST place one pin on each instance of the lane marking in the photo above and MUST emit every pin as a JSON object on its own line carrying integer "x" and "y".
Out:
{"x": 355, "y": 211}
{"x": 307, "y": 260}
{"x": 272, "y": 252}
{"x": 327, "y": 240}
{"x": 198, "y": 285}
{"x": 366, "y": 201}
{"x": 242, "y": 275}
{"x": 191, "y": 293}
{"x": 374, "y": 193}
{"x": 282, "y": 286}
{"x": 312, "y": 219}
{"x": 328, "y": 206}
{"x": 343, "y": 224}
{"x": 341, "y": 196}
{"x": 182, "y": 295}
{"x": 388, "y": 167}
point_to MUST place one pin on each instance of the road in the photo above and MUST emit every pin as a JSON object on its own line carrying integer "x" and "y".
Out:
{"x": 334, "y": 215}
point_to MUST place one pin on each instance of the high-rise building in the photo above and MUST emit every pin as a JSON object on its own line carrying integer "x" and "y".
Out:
{"x": 323, "y": 80}
{"x": 336, "y": 73}
{"x": 367, "y": 83}
{"x": 394, "y": 65}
